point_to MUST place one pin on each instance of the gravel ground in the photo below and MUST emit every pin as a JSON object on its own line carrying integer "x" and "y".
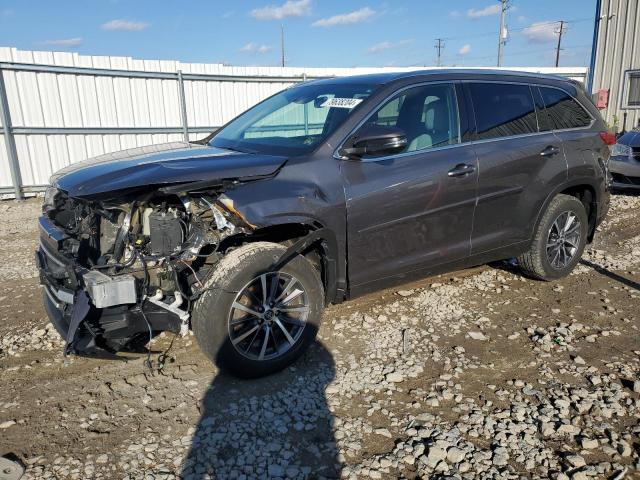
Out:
{"x": 477, "y": 374}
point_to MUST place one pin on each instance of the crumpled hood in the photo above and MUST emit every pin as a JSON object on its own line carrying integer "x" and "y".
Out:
{"x": 163, "y": 164}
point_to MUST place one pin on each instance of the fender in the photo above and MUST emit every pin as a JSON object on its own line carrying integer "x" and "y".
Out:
{"x": 574, "y": 182}
{"x": 327, "y": 240}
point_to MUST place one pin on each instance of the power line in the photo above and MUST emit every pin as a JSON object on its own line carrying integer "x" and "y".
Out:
{"x": 490, "y": 34}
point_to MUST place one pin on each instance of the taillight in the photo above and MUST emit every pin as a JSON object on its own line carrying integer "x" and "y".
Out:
{"x": 609, "y": 138}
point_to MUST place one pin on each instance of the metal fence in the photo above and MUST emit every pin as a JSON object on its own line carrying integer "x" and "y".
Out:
{"x": 59, "y": 108}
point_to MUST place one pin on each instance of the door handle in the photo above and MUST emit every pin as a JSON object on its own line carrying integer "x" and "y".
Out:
{"x": 550, "y": 151}
{"x": 461, "y": 170}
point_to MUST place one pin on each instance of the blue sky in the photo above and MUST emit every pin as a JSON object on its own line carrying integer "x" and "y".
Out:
{"x": 317, "y": 32}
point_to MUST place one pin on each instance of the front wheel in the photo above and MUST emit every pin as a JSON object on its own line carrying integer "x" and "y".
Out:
{"x": 558, "y": 241}
{"x": 253, "y": 321}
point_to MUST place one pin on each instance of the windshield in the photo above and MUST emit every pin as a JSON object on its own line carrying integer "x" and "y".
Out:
{"x": 294, "y": 121}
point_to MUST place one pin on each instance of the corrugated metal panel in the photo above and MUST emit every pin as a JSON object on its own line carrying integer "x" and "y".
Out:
{"x": 617, "y": 51}
{"x": 75, "y": 100}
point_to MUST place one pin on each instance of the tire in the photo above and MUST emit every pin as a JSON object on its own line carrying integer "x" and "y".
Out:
{"x": 220, "y": 315}
{"x": 536, "y": 262}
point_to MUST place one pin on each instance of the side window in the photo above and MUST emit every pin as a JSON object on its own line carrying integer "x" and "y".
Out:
{"x": 428, "y": 115}
{"x": 544, "y": 122}
{"x": 563, "y": 111}
{"x": 503, "y": 110}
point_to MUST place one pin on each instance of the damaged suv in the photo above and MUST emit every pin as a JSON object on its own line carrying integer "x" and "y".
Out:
{"x": 325, "y": 191}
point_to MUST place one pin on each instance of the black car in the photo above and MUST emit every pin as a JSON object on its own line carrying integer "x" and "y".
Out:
{"x": 624, "y": 163}
{"x": 323, "y": 192}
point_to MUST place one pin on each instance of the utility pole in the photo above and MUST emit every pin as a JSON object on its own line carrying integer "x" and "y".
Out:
{"x": 439, "y": 46}
{"x": 559, "y": 42}
{"x": 282, "y": 43}
{"x": 502, "y": 34}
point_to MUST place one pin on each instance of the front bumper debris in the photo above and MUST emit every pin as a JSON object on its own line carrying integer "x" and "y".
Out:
{"x": 95, "y": 313}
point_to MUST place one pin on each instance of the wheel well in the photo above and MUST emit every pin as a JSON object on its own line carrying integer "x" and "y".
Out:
{"x": 587, "y": 195}
{"x": 287, "y": 234}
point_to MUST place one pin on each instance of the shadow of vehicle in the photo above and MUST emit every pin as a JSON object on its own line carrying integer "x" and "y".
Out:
{"x": 276, "y": 426}
{"x": 612, "y": 275}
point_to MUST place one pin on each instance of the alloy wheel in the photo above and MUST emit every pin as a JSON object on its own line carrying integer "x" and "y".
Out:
{"x": 268, "y": 316}
{"x": 563, "y": 240}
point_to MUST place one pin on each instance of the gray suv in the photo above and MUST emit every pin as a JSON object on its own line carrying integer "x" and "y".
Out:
{"x": 323, "y": 192}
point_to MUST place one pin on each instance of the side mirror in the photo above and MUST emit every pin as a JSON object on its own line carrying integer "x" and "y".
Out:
{"x": 375, "y": 141}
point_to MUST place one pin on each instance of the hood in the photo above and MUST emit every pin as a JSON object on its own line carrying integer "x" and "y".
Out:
{"x": 631, "y": 138}
{"x": 161, "y": 165}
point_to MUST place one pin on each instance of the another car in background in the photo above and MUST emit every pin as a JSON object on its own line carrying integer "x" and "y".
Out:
{"x": 624, "y": 162}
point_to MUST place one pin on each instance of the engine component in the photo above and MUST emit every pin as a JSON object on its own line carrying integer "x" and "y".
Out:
{"x": 106, "y": 291}
{"x": 173, "y": 308}
{"x": 108, "y": 235}
{"x": 166, "y": 232}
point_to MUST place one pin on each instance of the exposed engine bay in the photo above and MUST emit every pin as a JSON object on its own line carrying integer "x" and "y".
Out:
{"x": 141, "y": 261}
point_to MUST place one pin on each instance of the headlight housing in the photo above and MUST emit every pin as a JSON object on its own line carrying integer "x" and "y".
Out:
{"x": 621, "y": 150}
{"x": 49, "y": 197}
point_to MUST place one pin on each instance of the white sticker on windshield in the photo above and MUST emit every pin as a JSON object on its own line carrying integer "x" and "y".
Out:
{"x": 341, "y": 102}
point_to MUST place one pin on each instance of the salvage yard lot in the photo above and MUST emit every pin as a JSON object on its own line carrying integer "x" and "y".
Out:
{"x": 477, "y": 374}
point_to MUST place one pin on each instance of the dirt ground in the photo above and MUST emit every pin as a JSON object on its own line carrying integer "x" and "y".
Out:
{"x": 477, "y": 374}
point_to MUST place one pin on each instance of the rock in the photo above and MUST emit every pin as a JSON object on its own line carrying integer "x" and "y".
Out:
{"x": 588, "y": 443}
{"x": 575, "y": 461}
{"x": 500, "y": 456}
{"x": 7, "y": 424}
{"x": 455, "y": 455}
{"x": 578, "y": 360}
{"x": 435, "y": 455}
{"x": 636, "y": 386}
{"x": 477, "y": 336}
{"x": 383, "y": 431}
{"x": 104, "y": 458}
{"x": 275, "y": 470}
{"x": 394, "y": 377}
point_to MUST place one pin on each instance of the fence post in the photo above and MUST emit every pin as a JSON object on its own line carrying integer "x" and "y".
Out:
{"x": 9, "y": 141}
{"x": 183, "y": 107}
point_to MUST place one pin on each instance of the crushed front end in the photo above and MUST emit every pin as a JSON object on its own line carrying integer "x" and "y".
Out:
{"x": 116, "y": 271}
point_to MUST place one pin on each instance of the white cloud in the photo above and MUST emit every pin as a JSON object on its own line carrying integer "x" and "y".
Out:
{"x": 522, "y": 19}
{"x": 384, "y": 46}
{"x": 125, "y": 25}
{"x": 484, "y": 12}
{"x": 252, "y": 47}
{"x": 454, "y": 14}
{"x": 290, "y": 8}
{"x": 465, "y": 49}
{"x": 541, "y": 32}
{"x": 356, "y": 16}
{"x": 228, "y": 14}
{"x": 63, "y": 42}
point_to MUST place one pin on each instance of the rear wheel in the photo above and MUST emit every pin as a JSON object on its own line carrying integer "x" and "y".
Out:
{"x": 559, "y": 240}
{"x": 254, "y": 321}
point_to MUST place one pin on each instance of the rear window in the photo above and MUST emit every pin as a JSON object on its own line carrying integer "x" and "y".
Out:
{"x": 562, "y": 110}
{"x": 503, "y": 110}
